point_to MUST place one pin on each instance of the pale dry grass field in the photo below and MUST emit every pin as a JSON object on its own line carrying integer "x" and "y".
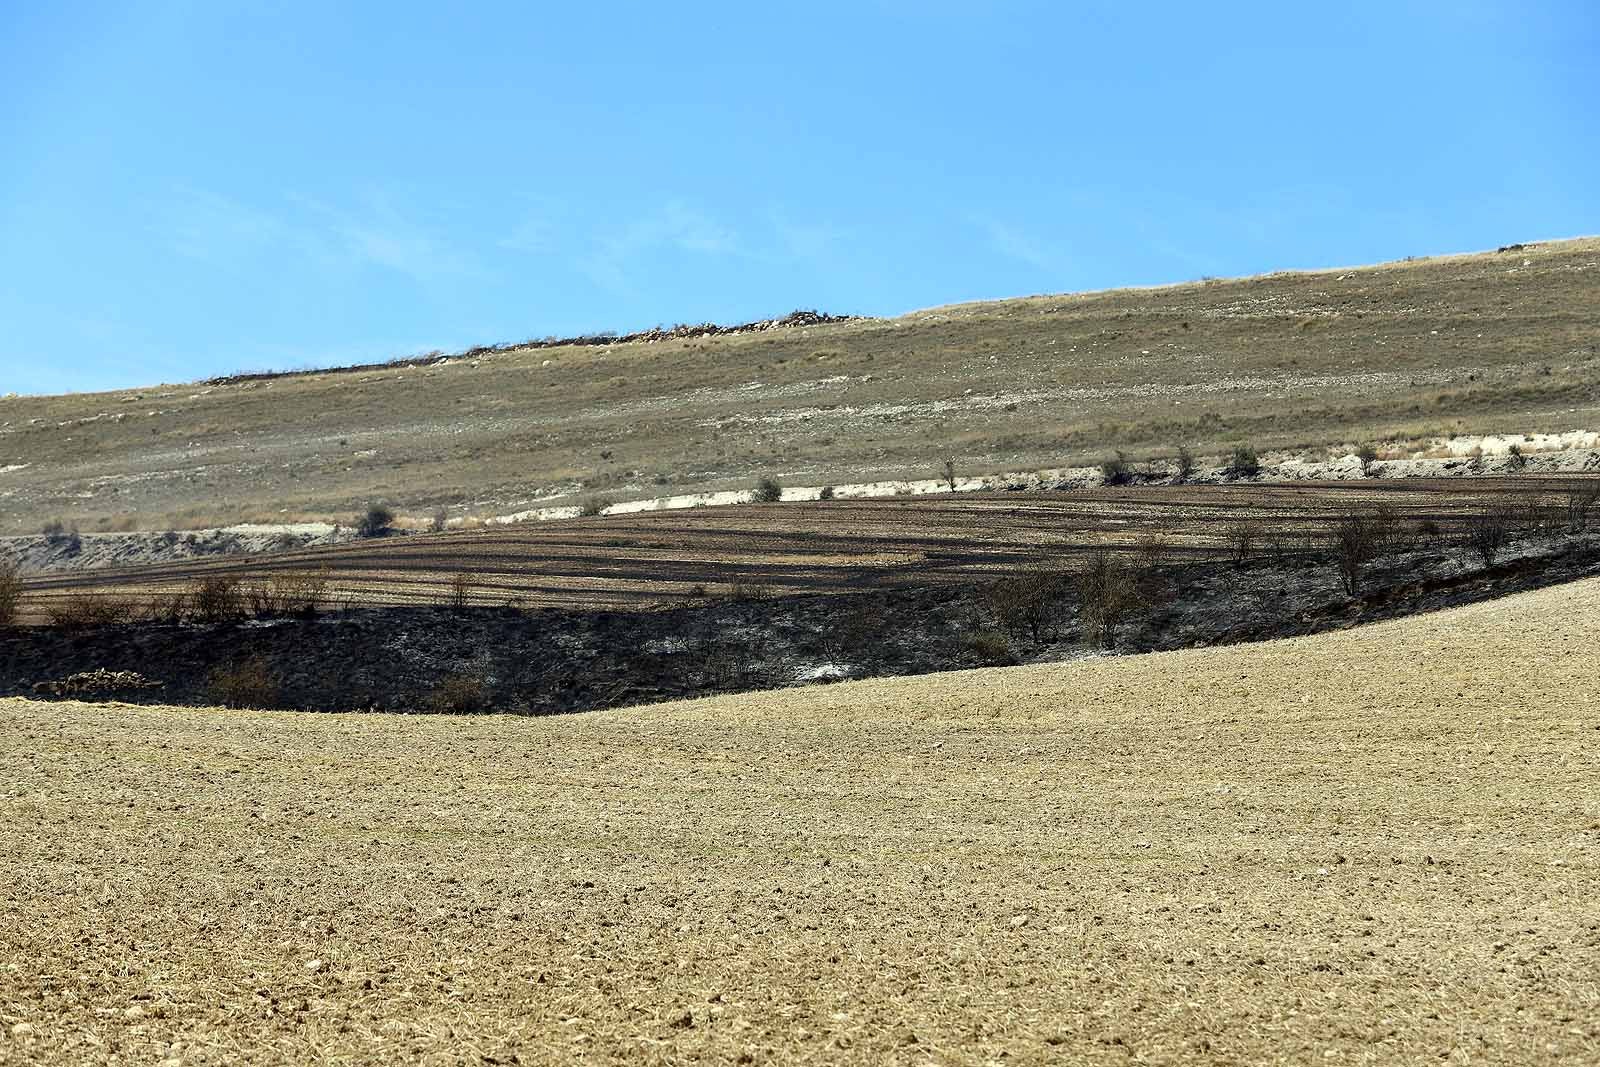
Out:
{"x": 1502, "y": 342}
{"x": 1375, "y": 846}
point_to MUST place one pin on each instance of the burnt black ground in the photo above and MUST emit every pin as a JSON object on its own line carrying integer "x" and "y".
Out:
{"x": 546, "y": 661}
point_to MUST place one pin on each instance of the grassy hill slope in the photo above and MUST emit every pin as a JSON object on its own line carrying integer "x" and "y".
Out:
{"x": 1378, "y": 844}
{"x": 1494, "y": 342}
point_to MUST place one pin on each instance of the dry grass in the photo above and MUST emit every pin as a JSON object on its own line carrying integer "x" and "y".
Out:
{"x": 1491, "y": 343}
{"x": 1372, "y": 846}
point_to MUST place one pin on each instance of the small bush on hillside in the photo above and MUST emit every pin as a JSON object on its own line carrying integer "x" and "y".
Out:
{"x": 1182, "y": 465}
{"x": 459, "y": 694}
{"x": 376, "y": 522}
{"x": 440, "y": 520}
{"x": 10, "y": 592}
{"x": 65, "y": 536}
{"x": 947, "y": 474}
{"x": 1368, "y": 455}
{"x": 249, "y": 683}
{"x": 826, "y": 494}
{"x": 1244, "y": 463}
{"x": 1115, "y": 471}
{"x": 767, "y": 491}
{"x": 1515, "y": 459}
{"x": 591, "y": 506}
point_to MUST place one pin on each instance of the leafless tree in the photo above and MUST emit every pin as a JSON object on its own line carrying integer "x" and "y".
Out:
{"x": 1580, "y": 500}
{"x": 1486, "y": 532}
{"x": 1241, "y": 537}
{"x": 1027, "y": 600}
{"x": 1108, "y": 592}
{"x": 10, "y": 591}
{"x": 1356, "y": 542}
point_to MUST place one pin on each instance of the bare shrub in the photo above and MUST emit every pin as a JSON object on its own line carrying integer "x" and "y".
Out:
{"x": 1241, "y": 538}
{"x": 459, "y": 694}
{"x": 301, "y": 592}
{"x": 1578, "y": 501}
{"x": 440, "y": 520}
{"x": 1153, "y": 559}
{"x": 458, "y": 594}
{"x": 248, "y": 683}
{"x": 767, "y": 491}
{"x": 375, "y": 522}
{"x": 1115, "y": 471}
{"x": 1244, "y": 463}
{"x": 742, "y": 588}
{"x": 1108, "y": 592}
{"x": 851, "y": 630}
{"x": 591, "y": 506}
{"x": 826, "y": 493}
{"x": 1356, "y": 539}
{"x": 294, "y": 593}
{"x": 1515, "y": 459}
{"x": 947, "y": 473}
{"x": 1486, "y": 532}
{"x": 991, "y": 647}
{"x": 1027, "y": 602}
{"x": 10, "y": 592}
{"x": 82, "y": 610}
{"x": 730, "y": 664}
{"x": 218, "y": 598}
{"x": 1536, "y": 514}
{"x": 170, "y": 606}
{"x": 1390, "y": 533}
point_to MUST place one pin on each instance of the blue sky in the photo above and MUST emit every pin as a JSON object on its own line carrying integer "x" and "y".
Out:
{"x": 195, "y": 188}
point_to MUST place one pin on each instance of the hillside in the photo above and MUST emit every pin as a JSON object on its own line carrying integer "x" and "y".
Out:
{"x": 1203, "y": 856}
{"x": 1496, "y": 342}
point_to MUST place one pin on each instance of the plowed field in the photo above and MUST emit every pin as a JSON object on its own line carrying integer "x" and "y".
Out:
{"x": 1380, "y": 845}
{"x": 626, "y": 561}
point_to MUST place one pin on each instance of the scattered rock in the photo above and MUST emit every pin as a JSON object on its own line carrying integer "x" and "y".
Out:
{"x": 96, "y": 683}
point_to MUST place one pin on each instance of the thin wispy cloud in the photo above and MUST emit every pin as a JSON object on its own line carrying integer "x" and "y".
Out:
{"x": 1018, "y": 244}
{"x": 675, "y": 227}
{"x": 371, "y": 234}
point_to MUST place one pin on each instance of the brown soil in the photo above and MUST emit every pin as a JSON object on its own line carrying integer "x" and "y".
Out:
{"x": 1379, "y": 845}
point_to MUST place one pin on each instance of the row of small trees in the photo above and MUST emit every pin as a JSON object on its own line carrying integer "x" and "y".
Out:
{"x": 1111, "y": 586}
{"x": 212, "y": 599}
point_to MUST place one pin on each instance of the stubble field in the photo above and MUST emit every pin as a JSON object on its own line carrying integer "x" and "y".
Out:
{"x": 1371, "y": 846}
